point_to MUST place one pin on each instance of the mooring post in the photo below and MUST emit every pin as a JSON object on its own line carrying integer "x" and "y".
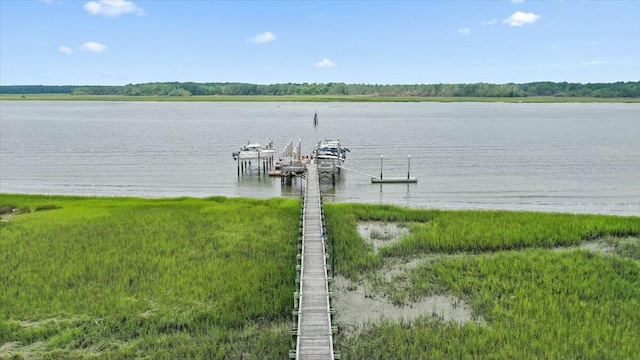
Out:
{"x": 238, "y": 165}
{"x": 409, "y": 168}
{"x": 258, "y": 163}
{"x": 381, "y": 156}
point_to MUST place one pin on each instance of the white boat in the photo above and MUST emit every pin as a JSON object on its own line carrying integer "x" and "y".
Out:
{"x": 252, "y": 151}
{"x": 331, "y": 150}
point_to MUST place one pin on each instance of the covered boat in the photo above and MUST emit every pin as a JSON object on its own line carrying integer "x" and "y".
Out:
{"x": 256, "y": 151}
{"x": 331, "y": 150}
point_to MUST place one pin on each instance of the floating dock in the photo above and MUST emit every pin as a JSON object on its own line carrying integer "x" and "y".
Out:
{"x": 394, "y": 180}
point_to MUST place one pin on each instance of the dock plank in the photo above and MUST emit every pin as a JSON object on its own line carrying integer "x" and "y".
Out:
{"x": 314, "y": 323}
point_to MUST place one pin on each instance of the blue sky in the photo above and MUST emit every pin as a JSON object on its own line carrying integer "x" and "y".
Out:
{"x": 117, "y": 42}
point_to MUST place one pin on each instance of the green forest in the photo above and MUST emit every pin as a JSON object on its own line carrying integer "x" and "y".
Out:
{"x": 555, "y": 89}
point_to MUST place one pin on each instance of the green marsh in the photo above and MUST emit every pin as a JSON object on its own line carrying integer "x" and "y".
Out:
{"x": 87, "y": 277}
{"x": 136, "y": 278}
{"x": 537, "y": 292}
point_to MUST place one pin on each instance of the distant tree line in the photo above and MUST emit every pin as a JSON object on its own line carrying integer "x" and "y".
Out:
{"x": 560, "y": 89}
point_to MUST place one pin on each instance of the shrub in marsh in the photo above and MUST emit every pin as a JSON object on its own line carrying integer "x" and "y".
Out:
{"x": 22, "y": 210}
{"x": 6, "y": 209}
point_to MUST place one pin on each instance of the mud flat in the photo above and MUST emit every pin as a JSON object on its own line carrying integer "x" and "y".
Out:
{"x": 356, "y": 306}
{"x": 379, "y": 234}
{"x": 357, "y": 303}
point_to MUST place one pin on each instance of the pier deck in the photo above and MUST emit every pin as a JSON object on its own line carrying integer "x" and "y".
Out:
{"x": 314, "y": 334}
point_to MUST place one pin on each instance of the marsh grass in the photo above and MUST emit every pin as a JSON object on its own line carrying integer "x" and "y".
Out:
{"x": 536, "y": 302}
{"x": 462, "y": 231}
{"x": 213, "y": 278}
{"x": 625, "y": 246}
{"x": 159, "y": 278}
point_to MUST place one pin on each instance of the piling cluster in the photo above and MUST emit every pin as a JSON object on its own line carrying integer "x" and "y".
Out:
{"x": 266, "y": 163}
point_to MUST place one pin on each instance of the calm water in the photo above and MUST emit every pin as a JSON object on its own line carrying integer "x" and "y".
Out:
{"x": 582, "y": 158}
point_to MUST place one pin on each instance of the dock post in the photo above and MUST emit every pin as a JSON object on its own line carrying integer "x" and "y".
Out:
{"x": 381, "y": 156}
{"x": 258, "y": 163}
{"x": 238, "y": 165}
{"x": 409, "y": 168}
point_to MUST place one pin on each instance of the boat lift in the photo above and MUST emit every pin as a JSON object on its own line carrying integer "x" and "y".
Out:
{"x": 293, "y": 163}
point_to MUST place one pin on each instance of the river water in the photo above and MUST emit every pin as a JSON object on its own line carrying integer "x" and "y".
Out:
{"x": 578, "y": 158}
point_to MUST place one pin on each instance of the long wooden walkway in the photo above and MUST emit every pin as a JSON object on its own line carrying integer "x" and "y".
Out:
{"x": 314, "y": 332}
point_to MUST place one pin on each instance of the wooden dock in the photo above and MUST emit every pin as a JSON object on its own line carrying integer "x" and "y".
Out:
{"x": 314, "y": 333}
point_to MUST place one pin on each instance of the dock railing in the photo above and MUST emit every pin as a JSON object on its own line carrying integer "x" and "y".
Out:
{"x": 314, "y": 333}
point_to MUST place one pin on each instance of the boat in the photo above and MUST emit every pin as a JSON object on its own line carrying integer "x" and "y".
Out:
{"x": 331, "y": 150}
{"x": 251, "y": 151}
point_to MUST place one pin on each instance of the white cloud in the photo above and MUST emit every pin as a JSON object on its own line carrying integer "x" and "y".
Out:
{"x": 489, "y": 22}
{"x": 263, "y": 38}
{"x": 112, "y": 7}
{"x": 93, "y": 47}
{"x": 592, "y": 62}
{"x": 520, "y": 18}
{"x": 64, "y": 50}
{"x": 464, "y": 31}
{"x": 324, "y": 63}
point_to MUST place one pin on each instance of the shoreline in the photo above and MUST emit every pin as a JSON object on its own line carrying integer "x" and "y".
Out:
{"x": 118, "y": 197}
{"x": 316, "y": 98}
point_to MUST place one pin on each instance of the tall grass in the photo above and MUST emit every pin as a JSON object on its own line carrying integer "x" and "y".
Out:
{"x": 166, "y": 278}
{"x": 531, "y": 300}
{"x": 462, "y": 231}
{"x": 213, "y": 278}
{"x": 535, "y": 304}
